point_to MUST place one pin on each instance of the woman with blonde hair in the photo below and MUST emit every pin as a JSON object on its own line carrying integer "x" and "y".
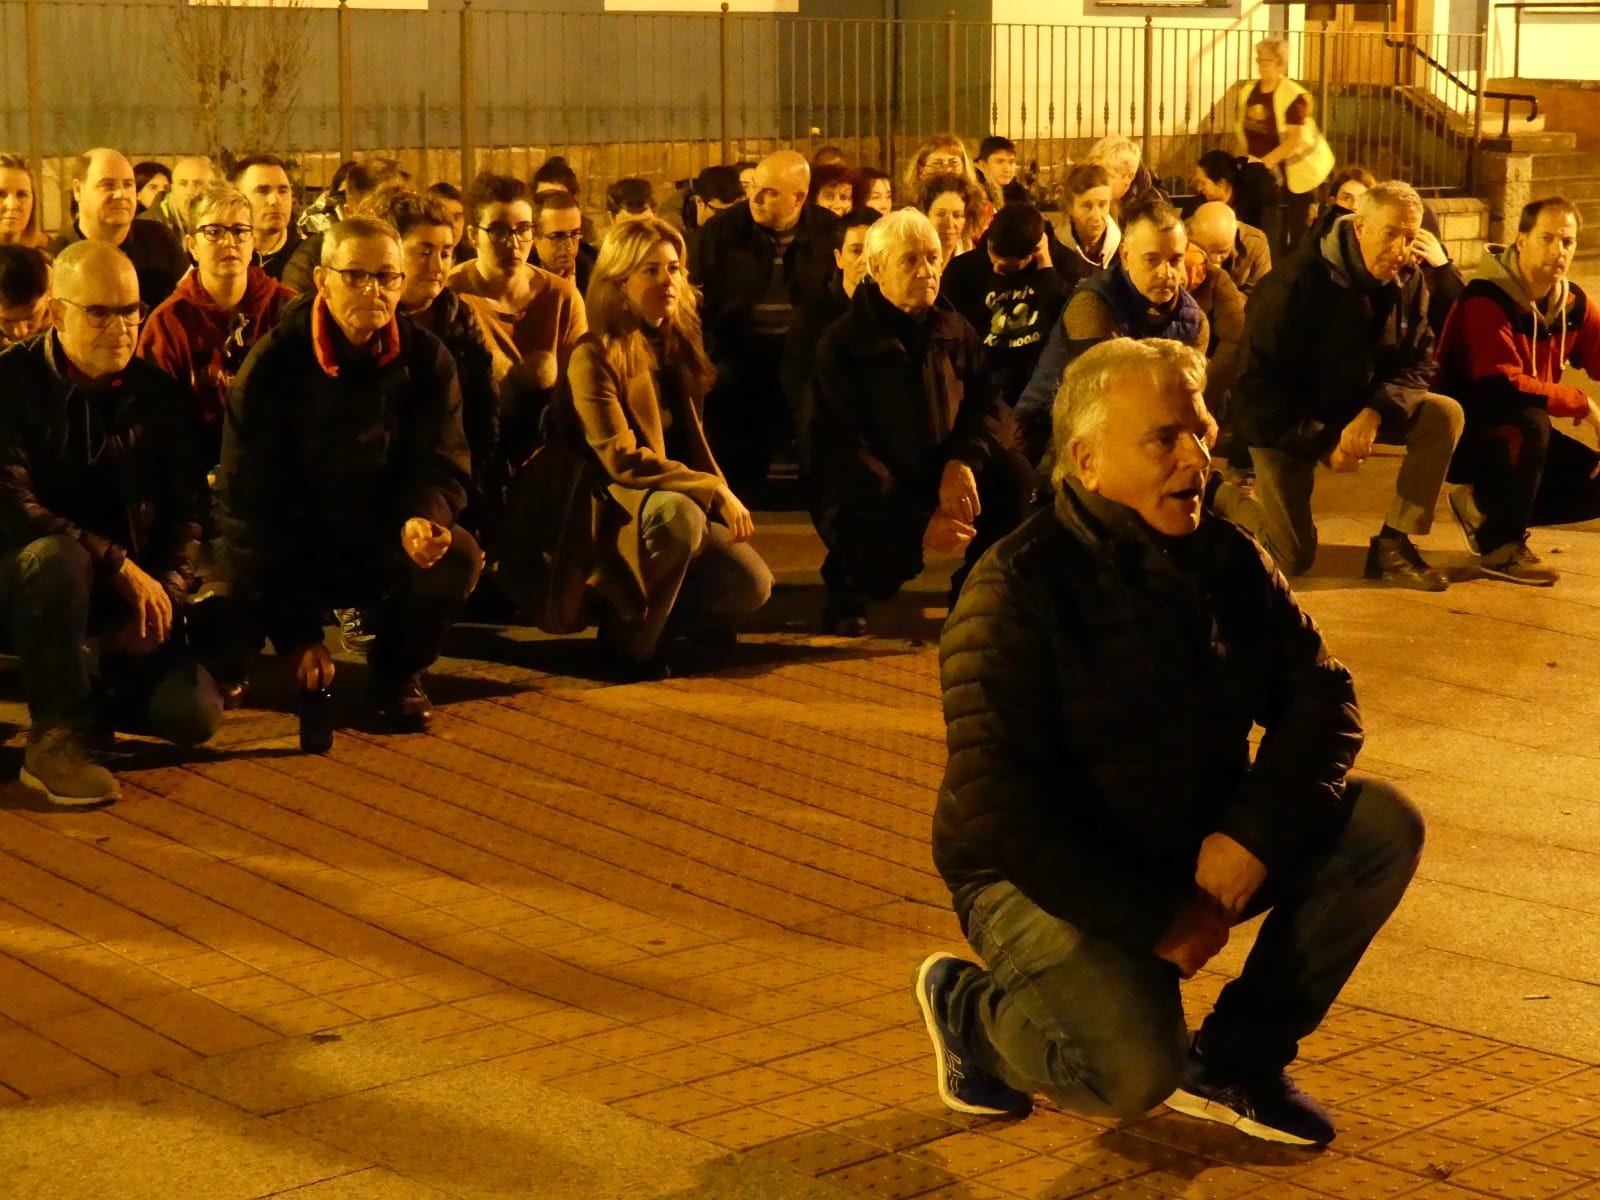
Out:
{"x": 19, "y": 204}
{"x": 635, "y": 389}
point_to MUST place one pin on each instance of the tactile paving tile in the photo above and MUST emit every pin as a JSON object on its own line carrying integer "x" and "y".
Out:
{"x": 1492, "y": 1130}
{"x": 1427, "y": 1154}
{"x": 819, "y": 1151}
{"x": 893, "y": 1177}
{"x": 1515, "y": 1179}
{"x": 1568, "y": 1150}
{"x": 1406, "y": 1106}
{"x": 1355, "y": 1178}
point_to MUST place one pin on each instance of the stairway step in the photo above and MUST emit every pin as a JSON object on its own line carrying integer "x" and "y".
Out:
{"x": 1575, "y": 188}
{"x": 1566, "y": 164}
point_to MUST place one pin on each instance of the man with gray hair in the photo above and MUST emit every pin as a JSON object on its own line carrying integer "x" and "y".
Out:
{"x": 907, "y": 444}
{"x": 1101, "y": 824}
{"x": 1338, "y": 355}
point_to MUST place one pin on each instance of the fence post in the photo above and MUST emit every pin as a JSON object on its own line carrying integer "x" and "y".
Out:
{"x": 347, "y": 114}
{"x": 469, "y": 97}
{"x": 34, "y": 82}
{"x": 950, "y": 68}
{"x": 1322, "y": 97}
{"x": 1149, "y": 85}
{"x": 722, "y": 81}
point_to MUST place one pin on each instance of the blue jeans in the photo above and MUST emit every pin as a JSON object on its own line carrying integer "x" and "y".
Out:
{"x": 1099, "y": 1029}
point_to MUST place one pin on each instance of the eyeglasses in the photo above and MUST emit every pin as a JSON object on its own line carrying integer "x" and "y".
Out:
{"x": 560, "y": 239}
{"x": 357, "y": 280}
{"x": 102, "y": 316}
{"x": 942, "y": 162}
{"x": 237, "y": 234}
{"x": 506, "y": 234}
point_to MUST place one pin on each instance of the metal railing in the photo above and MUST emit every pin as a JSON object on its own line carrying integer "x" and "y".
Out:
{"x": 452, "y": 89}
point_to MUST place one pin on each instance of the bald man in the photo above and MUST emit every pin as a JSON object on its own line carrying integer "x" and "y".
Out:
{"x": 106, "y": 208}
{"x": 189, "y": 175}
{"x": 1239, "y": 249}
{"x": 758, "y": 263}
{"x": 99, "y": 524}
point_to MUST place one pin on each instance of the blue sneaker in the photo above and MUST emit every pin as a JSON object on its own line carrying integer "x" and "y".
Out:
{"x": 962, "y": 1087}
{"x": 1273, "y": 1109}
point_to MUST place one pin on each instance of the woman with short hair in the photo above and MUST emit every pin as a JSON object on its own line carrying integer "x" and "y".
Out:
{"x": 955, "y": 206}
{"x": 675, "y": 547}
{"x": 1274, "y": 127}
{"x": 874, "y": 189}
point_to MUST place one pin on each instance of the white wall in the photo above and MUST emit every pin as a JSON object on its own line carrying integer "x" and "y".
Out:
{"x": 1554, "y": 46}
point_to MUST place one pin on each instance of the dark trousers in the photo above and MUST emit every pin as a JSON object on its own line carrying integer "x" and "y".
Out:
{"x": 408, "y": 610}
{"x": 1100, "y": 1029}
{"x": 54, "y": 604}
{"x": 874, "y": 549}
{"x": 1523, "y": 473}
{"x": 748, "y": 420}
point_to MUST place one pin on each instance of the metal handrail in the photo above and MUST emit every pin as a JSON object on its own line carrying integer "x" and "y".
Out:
{"x": 1506, "y": 98}
{"x": 1552, "y": 7}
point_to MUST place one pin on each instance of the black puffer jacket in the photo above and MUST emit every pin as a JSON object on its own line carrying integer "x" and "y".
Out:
{"x": 320, "y": 468}
{"x": 892, "y": 401}
{"x": 109, "y": 463}
{"x": 1100, "y": 682}
{"x": 1323, "y": 340}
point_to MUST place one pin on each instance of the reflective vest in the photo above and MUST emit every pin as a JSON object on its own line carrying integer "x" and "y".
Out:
{"x": 1309, "y": 165}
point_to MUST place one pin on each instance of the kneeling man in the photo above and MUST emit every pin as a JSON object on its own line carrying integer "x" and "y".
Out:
{"x": 1101, "y": 824}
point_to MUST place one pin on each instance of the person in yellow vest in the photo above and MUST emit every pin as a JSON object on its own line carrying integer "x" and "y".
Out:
{"x": 1274, "y": 124}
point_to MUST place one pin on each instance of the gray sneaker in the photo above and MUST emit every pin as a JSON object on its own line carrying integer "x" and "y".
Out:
{"x": 1465, "y": 510}
{"x": 1516, "y": 562}
{"x": 59, "y": 765}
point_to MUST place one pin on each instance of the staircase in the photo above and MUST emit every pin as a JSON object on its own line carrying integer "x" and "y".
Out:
{"x": 1559, "y": 168}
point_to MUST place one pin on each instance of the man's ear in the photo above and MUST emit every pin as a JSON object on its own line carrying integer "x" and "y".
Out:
{"x": 1084, "y": 461}
{"x": 319, "y": 276}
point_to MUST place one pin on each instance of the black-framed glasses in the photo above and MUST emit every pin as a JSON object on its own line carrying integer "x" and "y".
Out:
{"x": 238, "y": 234}
{"x": 506, "y": 234}
{"x": 561, "y": 239}
{"x": 357, "y": 280}
{"x": 101, "y": 316}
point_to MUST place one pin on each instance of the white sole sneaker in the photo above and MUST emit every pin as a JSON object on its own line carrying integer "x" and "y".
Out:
{"x": 33, "y": 783}
{"x": 1191, "y": 1105}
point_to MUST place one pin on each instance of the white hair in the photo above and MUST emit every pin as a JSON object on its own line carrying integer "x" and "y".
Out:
{"x": 888, "y": 234}
{"x": 1083, "y": 402}
{"x": 1113, "y": 149}
{"x": 1274, "y": 48}
{"x": 1392, "y": 193}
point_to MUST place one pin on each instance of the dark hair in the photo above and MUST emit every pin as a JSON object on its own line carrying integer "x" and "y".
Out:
{"x": 555, "y": 170}
{"x": 242, "y": 165}
{"x": 829, "y": 156}
{"x": 857, "y": 218}
{"x": 489, "y": 188}
{"x": 1154, "y": 211}
{"x": 561, "y": 201}
{"x": 365, "y": 177}
{"x": 1220, "y": 167}
{"x": 1084, "y": 177}
{"x": 863, "y": 181}
{"x": 144, "y": 172}
{"x": 992, "y": 143}
{"x": 1016, "y": 230}
{"x": 826, "y": 176}
{"x": 743, "y": 165}
{"x": 1351, "y": 174}
{"x": 445, "y": 190}
{"x": 24, "y": 275}
{"x": 935, "y": 186}
{"x": 1532, "y": 211}
{"x": 403, "y": 208}
{"x": 719, "y": 185}
{"x": 633, "y": 194}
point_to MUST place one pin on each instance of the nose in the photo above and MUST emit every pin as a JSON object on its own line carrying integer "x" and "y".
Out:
{"x": 1193, "y": 452}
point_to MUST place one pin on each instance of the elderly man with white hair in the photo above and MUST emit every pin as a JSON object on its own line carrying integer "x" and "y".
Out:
{"x": 1102, "y": 825}
{"x": 1338, "y": 355}
{"x": 907, "y": 437}
{"x": 758, "y": 264}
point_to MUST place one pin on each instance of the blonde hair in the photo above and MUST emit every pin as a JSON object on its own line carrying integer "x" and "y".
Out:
{"x": 1275, "y": 49}
{"x": 214, "y": 197}
{"x": 939, "y": 141}
{"x": 1114, "y": 149}
{"x": 619, "y": 327}
{"x": 31, "y": 236}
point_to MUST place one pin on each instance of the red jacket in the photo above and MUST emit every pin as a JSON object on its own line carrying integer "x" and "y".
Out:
{"x": 202, "y": 345}
{"x": 1499, "y": 348}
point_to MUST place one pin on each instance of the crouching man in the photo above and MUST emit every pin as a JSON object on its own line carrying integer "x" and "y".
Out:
{"x": 99, "y": 525}
{"x": 1101, "y": 824}
{"x": 344, "y": 470}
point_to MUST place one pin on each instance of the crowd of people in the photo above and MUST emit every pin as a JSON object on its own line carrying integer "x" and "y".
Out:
{"x": 226, "y": 421}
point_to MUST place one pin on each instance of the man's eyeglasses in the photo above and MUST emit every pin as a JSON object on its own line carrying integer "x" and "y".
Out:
{"x": 560, "y": 239}
{"x": 101, "y": 316}
{"x": 506, "y": 234}
{"x": 358, "y": 280}
{"x": 237, "y": 234}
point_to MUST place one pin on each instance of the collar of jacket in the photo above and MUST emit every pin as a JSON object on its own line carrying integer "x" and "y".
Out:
{"x": 1130, "y": 307}
{"x": 62, "y": 380}
{"x": 1121, "y": 537}
{"x": 384, "y": 347}
{"x": 870, "y": 316}
{"x": 1342, "y": 252}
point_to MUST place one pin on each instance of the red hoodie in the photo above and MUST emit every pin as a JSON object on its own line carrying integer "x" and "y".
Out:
{"x": 202, "y": 345}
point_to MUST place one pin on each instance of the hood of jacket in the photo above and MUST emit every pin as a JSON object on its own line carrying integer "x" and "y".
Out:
{"x": 1501, "y": 269}
{"x": 1342, "y": 252}
{"x": 1108, "y": 249}
{"x": 259, "y": 291}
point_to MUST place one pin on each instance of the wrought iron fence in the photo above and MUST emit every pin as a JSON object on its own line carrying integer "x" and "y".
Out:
{"x": 450, "y": 90}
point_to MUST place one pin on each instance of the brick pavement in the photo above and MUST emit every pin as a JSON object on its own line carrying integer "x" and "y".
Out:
{"x": 697, "y": 902}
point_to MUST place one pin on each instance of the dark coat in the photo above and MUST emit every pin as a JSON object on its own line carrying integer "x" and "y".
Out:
{"x": 890, "y": 409}
{"x": 110, "y": 464}
{"x": 811, "y": 321}
{"x": 1322, "y": 341}
{"x": 1100, "y": 683}
{"x": 158, "y": 257}
{"x": 452, "y": 320}
{"x": 733, "y": 266}
{"x": 1012, "y": 314}
{"x": 320, "y": 468}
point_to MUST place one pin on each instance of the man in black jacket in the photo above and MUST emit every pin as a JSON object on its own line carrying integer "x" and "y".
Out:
{"x": 758, "y": 263}
{"x": 107, "y": 206}
{"x": 909, "y": 440}
{"x": 344, "y": 470}
{"x": 1101, "y": 824}
{"x": 1338, "y": 354}
{"x": 99, "y": 524}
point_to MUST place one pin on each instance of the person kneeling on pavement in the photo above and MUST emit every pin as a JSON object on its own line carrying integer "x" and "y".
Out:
{"x": 100, "y": 508}
{"x": 1101, "y": 825}
{"x": 344, "y": 472}
{"x": 909, "y": 439}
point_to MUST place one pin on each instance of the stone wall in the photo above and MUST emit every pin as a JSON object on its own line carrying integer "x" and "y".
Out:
{"x": 1505, "y": 184}
{"x": 1464, "y": 228}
